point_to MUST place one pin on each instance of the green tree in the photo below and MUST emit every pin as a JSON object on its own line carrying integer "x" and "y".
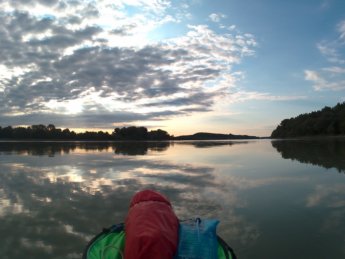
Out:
{"x": 328, "y": 121}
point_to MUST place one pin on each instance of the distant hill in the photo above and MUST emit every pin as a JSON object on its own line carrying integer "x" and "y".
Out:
{"x": 325, "y": 122}
{"x": 213, "y": 136}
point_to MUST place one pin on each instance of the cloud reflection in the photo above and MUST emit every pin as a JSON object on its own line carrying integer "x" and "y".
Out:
{"x": 52, "y": 205}
{"x": 330, "y": 197}
{"x": 327, "y": 195}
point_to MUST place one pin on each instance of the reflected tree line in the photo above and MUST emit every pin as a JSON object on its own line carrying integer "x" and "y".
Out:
{"x": 325, "y": 153}
{"x": 121, "y": 147}
{"x": 328, "y": 121}
{"x": 58, "y": 148}
{"x": 50, "y": 132}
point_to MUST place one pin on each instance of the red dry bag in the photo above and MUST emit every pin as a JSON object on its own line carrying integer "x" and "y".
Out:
{"x": 151, "y": 227}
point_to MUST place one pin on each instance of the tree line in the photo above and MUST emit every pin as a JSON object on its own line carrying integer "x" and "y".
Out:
{"x": 50, "y": 132}
{"x": 326, "y": 122}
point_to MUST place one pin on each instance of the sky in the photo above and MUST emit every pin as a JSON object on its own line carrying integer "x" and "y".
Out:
{"x": 235, "y": 66}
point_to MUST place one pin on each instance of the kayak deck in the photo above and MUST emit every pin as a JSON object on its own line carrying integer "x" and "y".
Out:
{"x": 110, "y": 244}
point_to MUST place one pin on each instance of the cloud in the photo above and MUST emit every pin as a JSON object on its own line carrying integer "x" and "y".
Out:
{"x": 341, "y": 30}
{"x": 232, "y": 27}
{"x": 313, "y": 76}
{"x": 332, "y": 77}
{"x": 323, "y": 81}
{"x": 94, "y": 120}
{"x": 216, "y": 17}
{"x": 241, "y": 96}
{"x": 333, "y": 49}
{"x": 83, "y": 59}
{"x": 331, "y": 52}
{"x": 335, "y": 70}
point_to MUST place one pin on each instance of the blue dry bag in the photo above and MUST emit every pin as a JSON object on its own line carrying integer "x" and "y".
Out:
{"x": 198, "y": 239}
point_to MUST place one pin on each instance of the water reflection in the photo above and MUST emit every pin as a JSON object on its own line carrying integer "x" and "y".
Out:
{"x": 51, "y": 206}
{"x": 55, "y": 197}
{"x": 59, "y": 148}
{"x": 139, "y": 148}
{"x": 328, "y": 196}
{"x": 46, "y": 148}
{"x": 328, "y": 153}
{"x": 208, "y": 143}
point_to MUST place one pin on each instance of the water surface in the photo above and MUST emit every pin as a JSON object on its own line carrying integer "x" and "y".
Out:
{"x": 275, "y": 199}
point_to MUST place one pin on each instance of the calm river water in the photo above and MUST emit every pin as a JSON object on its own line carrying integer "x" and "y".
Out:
{"x": 274, "y": 199}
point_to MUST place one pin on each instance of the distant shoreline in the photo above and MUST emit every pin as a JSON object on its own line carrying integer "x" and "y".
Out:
{"x": 116, "y": 141}
{"x": 317, "y": 138}
{"x": 51, "y": 133}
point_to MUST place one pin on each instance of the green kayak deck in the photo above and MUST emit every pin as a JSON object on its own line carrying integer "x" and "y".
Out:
{"x": 110, "y": 244}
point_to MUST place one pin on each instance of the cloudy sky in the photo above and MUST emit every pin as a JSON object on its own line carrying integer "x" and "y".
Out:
{"x": 235, "y": 66}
